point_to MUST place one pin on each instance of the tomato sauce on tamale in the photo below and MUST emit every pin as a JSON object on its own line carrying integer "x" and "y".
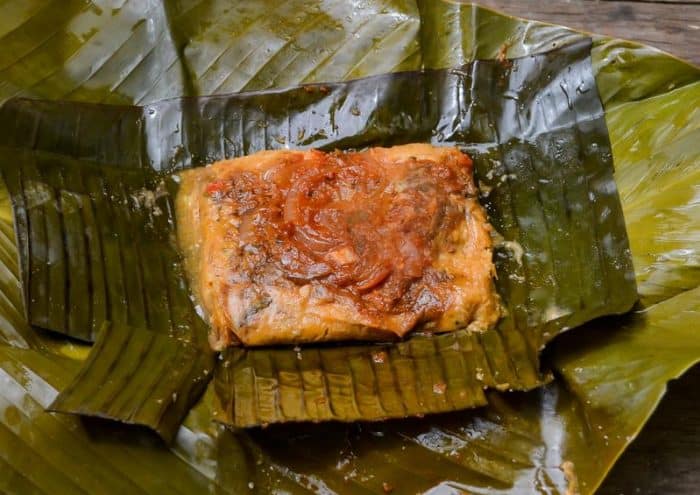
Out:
{"x": 307, "y": 246}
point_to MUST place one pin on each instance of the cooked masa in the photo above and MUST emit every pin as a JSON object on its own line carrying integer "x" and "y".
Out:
{"x": 306, "y": 246}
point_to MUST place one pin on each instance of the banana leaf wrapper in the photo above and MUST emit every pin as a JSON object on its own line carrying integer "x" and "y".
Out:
{"x": 138, "y": 377}
{"x": 534, "y": 126}
{"x": 100, "y": 257}
{"x": 518, "y": 443}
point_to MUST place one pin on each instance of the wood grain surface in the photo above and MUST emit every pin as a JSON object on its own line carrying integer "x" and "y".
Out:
{"x": 665, "y": 458}
{"x": 671, "y": 25}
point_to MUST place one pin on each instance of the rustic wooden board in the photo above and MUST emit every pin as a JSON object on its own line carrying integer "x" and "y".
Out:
{"x": 671, "y": 25}
{"x": 665, "y": 458}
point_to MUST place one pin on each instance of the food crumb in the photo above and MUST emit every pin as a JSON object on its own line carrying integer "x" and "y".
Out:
{"x": 516, "y": 249}
{"x": 251, "y": 485}
{"x": 502, "y": 52}
{"x": 485, "y": 190}
{"x": 379, "y": 357}
{"x": 387, "y": 487}
{"x": 502, "y": 56}
{"x": 439, "y": 388}
{"x": 572, "y": 487}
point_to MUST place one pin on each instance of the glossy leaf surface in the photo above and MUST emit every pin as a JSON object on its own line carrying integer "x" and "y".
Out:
{"x": 519, "y": 442}
{"x": 97, "y": 203}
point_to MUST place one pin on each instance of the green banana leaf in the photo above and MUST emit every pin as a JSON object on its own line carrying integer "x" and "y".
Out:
{"x": 520, "y": 442}
{"x": 533, "y": 120}
{"x": 140, "y": 377}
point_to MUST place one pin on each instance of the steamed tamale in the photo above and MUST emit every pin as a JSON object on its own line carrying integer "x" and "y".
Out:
{"x": 299, "y": 246}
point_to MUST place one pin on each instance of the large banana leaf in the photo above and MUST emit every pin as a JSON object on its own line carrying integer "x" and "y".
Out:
{"x": 66, "y": 165}
{"x": 610, "y": 375}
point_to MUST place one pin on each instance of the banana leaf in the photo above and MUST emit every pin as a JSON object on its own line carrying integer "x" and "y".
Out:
{"x": 520, "y": 442}
{"x": 139, "y": 377}
{"x": 533, "y": 125}
{"x": 91, "y": 258}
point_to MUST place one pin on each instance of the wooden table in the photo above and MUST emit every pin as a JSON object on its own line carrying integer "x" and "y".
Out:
{"x": 665, "y": 458}
{"x": 671, "y": 25}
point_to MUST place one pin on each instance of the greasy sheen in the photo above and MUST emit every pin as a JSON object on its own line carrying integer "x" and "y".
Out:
{"x": 299, "y": 246}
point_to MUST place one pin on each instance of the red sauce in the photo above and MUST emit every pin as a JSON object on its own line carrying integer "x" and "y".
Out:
{"x": 349, "y": 222}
